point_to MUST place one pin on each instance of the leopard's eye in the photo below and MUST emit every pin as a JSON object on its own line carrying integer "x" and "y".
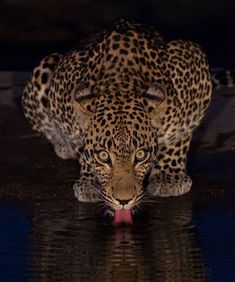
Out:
{"x": 103, "y": 156}
{"x": 141, "y": 155}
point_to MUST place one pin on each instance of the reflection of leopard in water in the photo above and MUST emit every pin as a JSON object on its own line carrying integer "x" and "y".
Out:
{"x": 125, "y": 103}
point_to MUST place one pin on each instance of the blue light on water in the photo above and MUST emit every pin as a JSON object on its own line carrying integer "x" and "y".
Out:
{"x": 216, "y": 236}
{"x": 14, "y": 228}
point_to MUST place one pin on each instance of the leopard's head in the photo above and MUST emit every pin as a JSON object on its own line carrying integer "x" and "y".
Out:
{"x": 120, "y": 140}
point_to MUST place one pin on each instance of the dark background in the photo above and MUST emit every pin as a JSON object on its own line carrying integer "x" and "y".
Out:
{"x": 31, "y": 29}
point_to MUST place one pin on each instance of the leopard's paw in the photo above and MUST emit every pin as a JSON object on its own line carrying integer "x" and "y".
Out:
{"x": 85, "y": 194}
{"x": 166, "y": 185}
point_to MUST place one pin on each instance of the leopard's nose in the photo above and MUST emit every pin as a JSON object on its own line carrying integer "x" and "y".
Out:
{"x": 123, "y": 202}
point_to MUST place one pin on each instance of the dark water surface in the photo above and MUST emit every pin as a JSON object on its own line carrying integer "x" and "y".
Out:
{"x": 170, "y": 241}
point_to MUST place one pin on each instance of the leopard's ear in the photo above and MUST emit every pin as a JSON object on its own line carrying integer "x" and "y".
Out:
{"x": 156, "y": 93}
{"x": 156, "y": 101}
{"x": 83, "y": 103}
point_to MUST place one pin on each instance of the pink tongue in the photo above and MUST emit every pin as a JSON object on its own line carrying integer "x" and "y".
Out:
{"x": 122, "y": 216}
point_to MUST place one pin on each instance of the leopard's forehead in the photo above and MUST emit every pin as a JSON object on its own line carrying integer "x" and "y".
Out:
{"x": 121, "y": 125}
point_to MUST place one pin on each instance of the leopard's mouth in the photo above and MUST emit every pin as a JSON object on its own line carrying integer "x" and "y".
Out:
{"x": 120, "y": 216}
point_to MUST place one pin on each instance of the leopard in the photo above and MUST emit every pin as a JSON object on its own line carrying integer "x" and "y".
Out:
{"x": 125, "y": 103}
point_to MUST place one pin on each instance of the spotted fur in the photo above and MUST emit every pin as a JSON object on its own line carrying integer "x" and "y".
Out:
{"x": 125, "y": 103}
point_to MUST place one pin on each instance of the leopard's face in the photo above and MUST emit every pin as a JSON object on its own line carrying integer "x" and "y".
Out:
{"x": 121, "y": 145}
{"x": 121, "y": 156}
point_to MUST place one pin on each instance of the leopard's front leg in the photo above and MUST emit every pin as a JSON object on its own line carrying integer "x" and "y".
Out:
{"x": 86, "y": 188}
{"x": 168, "y": 177}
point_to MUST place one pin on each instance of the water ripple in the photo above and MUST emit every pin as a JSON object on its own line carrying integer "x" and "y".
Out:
{"x": 77, "y": 244}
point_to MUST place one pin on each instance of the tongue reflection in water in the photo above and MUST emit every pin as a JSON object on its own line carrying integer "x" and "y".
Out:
{"x": 122, "y": 216}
